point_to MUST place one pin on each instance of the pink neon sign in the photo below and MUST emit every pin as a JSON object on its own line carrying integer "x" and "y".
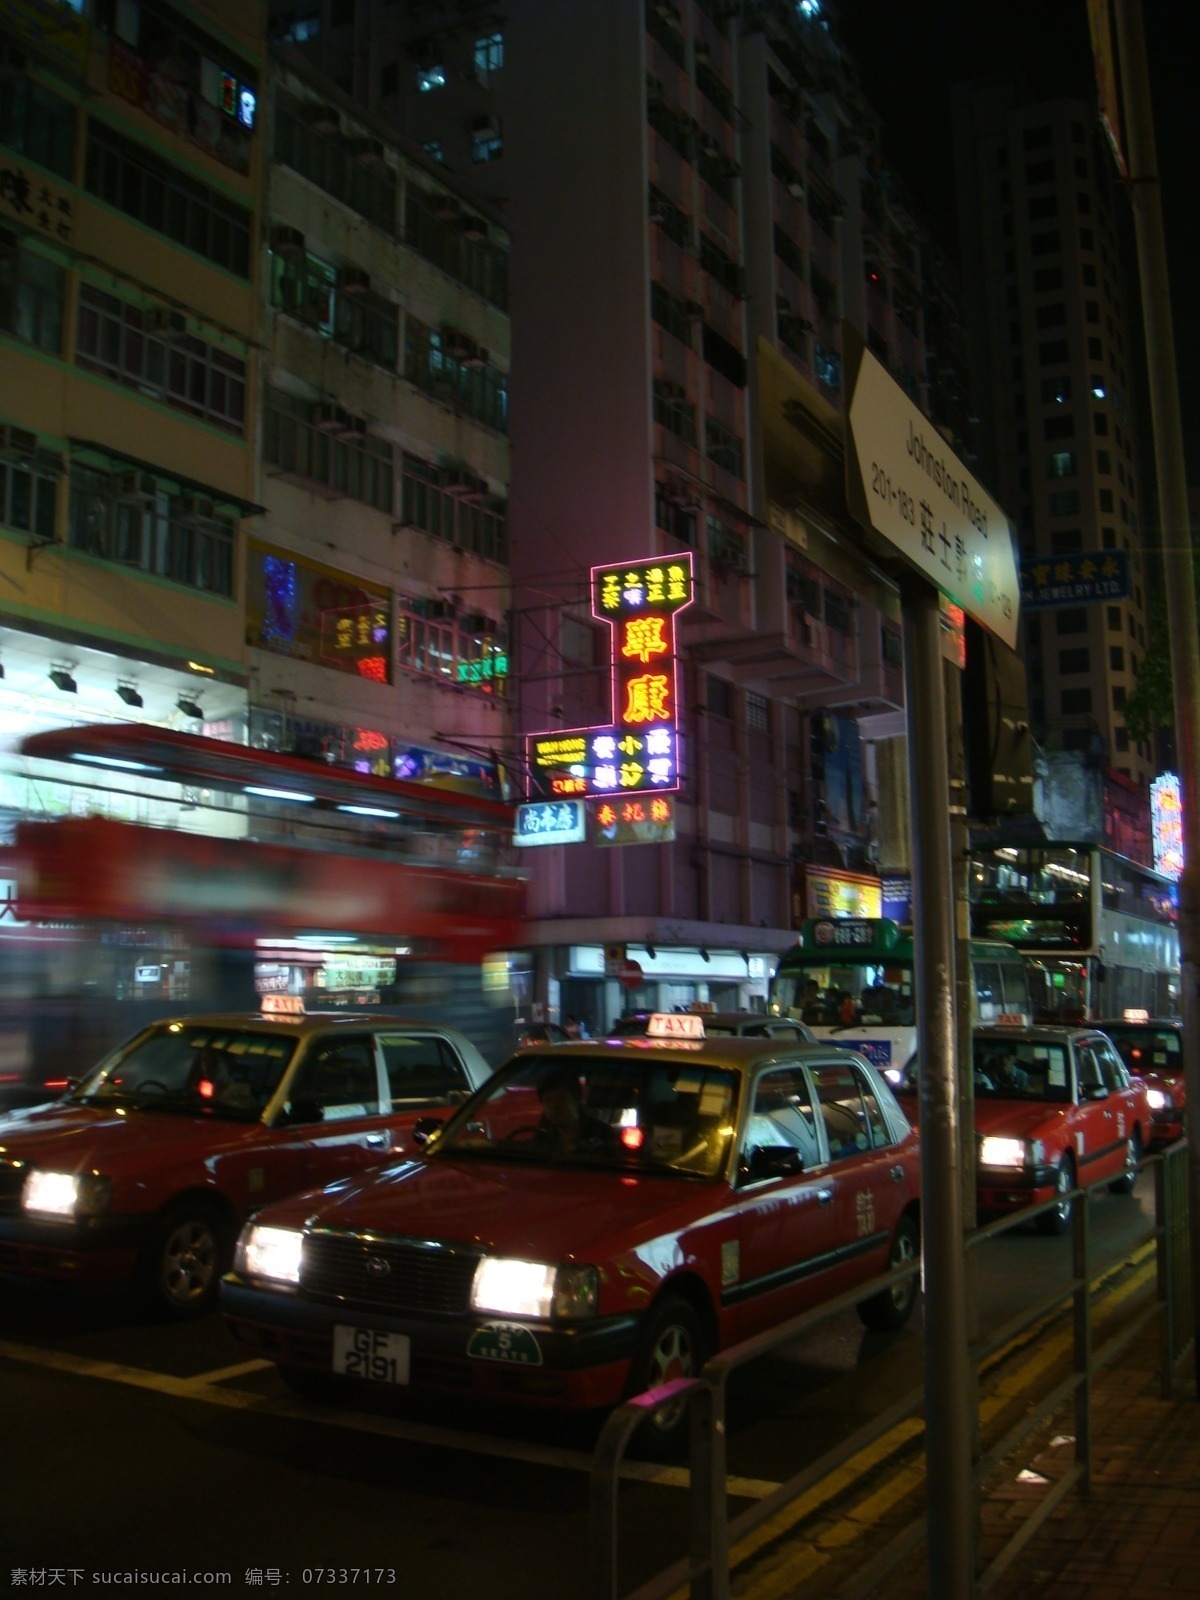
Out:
{"x": 638, "y": 752}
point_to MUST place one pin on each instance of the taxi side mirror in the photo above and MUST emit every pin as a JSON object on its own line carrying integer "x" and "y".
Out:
{"x": 1093, "y": 1091}
{"x": 304, "y": 1110}
{"x": 773, "y": 1161}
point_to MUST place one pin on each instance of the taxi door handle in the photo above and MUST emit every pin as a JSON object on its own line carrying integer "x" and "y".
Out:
{"x": 897, "y": 1174}
{"x": 375, "y": 1140}
{"x": 824, "y": 1196}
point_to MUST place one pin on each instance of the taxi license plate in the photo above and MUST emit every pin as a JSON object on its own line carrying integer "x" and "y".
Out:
{"x": 370, "y": 1353}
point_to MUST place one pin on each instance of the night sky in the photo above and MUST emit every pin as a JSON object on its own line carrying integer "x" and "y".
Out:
{"x": 909, "y": 56}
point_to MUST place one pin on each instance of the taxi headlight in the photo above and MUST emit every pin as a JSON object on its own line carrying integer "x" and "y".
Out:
{"x": 999, "y": 1152}
{"x": 265, "y": 1252}
{"x": 66, "y": 1194}
{"x": 534, "y": 1289}
{"x": 1158, "y": 1099}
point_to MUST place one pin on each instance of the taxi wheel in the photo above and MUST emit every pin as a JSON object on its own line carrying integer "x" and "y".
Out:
{"x": 1058, "y": 1218}
{"x": 187, "y": 1255}
{"x": 1133, "y": 1154}
{"x": 672, "y": 1345}
{"x": 891, "y": 1308}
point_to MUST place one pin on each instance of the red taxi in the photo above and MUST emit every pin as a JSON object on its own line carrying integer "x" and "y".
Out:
{"x": 1055, "y": 1109}
{"x": 601, "y": 1217}
{"x": 153, "y": 1161}
{"x": 1153, "y": 1049}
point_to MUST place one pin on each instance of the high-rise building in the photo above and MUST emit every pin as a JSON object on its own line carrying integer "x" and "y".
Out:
{"x": 377, "y": 594}
{"x": 129, "y": 218}
{"x": 696, "y": 200}
{"x": 253, "y": 466}
{"x": 1043, "y": 225}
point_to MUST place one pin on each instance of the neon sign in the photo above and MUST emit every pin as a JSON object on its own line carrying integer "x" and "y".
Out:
{"x": 1166, "y": 823}
{"x": 638, "y": 752}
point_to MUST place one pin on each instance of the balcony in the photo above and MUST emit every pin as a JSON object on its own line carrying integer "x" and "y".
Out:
{"x": 722, "y": 614}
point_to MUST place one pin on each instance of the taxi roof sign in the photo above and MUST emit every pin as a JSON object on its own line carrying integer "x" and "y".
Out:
{"x": 675, "y": 1025}
{"x": 282, "y": 1005}
{"x": 1135, "y": 1014}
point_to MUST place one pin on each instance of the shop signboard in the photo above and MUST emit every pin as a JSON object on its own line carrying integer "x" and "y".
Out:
{"x": 637, "y": 752}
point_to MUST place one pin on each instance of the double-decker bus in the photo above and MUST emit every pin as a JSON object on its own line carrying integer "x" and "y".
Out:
{"x": 170, "y": 872}
{"x": 1100, "y": 932}
{"x": 851, "y": 980}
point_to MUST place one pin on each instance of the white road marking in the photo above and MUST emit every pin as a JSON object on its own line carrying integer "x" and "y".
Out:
{"x": 222, "y": 1374}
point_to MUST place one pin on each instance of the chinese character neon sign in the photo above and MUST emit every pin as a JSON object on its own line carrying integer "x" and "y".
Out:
{"x": 1166, "y": 822}
{"x": 638, "y": 753}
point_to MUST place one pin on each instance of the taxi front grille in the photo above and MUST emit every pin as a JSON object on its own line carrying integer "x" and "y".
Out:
{"x": 388, "y": 1274}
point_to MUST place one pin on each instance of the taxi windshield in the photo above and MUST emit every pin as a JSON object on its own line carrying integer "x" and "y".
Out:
{"x": 1146, "y": 1049}
{"x": 228, "y": 1073}
{"x": 625, "y": 1112}
{"x": 1021, "y": 1070}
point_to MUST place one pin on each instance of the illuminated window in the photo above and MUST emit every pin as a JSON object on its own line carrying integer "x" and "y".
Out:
{"x": 489, "y": 55}
{"x": 487, "y": 140}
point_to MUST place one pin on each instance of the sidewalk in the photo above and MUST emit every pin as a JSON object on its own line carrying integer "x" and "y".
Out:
{"x": 1136, "y": 1534}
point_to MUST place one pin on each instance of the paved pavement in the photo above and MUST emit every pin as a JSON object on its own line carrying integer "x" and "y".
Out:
{"x": 1136, "y": 1532}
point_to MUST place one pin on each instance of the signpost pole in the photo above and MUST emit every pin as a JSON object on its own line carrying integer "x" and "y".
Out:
{"x": 948, "y": 1383}
{"x": 943, "y": 532}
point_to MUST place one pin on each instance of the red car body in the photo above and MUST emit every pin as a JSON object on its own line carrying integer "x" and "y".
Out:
{"x": 667, "y": 1213}
{"x": 1079, "y": 1117}
{"x": 1153, "y": 1049}
{"x": 153, "y": 1165}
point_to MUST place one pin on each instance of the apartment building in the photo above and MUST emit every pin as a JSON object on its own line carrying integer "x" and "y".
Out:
{"x": 377, "y": 590}
{"x": 253, "y": 458}
{"x": 128, "y": 226}
{"x": 696, "y": 201}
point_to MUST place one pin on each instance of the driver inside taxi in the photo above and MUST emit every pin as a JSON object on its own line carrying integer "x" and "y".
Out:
{"x": 565, "y": 1126}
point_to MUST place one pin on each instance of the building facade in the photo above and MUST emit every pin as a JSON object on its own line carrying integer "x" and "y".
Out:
{"x": 696, "y": 202}
{"x": 254, "y": 464}
{"x": 1045, "y": 231}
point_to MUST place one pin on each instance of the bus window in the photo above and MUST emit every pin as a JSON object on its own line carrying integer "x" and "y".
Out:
{"x": 1014, "y": 979}
{"x": 989, "y": 1000}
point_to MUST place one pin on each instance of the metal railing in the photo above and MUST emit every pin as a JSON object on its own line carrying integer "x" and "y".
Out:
{"x": 705, "y": 1569}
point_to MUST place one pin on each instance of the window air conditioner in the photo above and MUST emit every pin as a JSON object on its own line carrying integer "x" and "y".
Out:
{"x": 369, "y": 151}
{"x": 322, "y": 118}
{"x": 477, "y": 356}
{"x": 287, "y": 241}
{"x": 329, "y": 418}
{"x": 338, "y": 423}
{"x": 164, "y": 322}
{"x": 198, "y": 506}
{"x": 446, "y": 207}
{"x": 133, "y": 485}
{"x": 458, "y": 345}
{"x": 353, "y": 280}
